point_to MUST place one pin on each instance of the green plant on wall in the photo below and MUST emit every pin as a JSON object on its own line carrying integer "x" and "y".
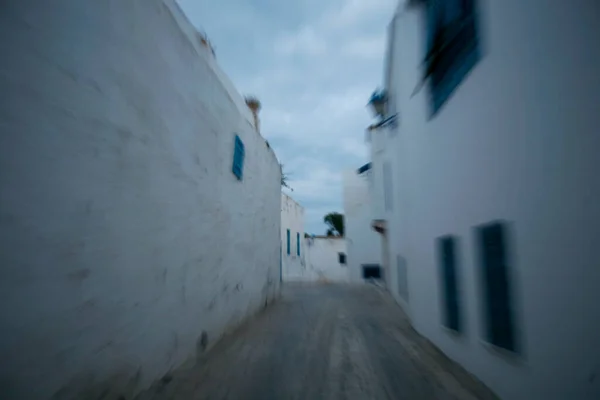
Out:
{"x": 335, "y": 224}
{"x": 285, "y": 178}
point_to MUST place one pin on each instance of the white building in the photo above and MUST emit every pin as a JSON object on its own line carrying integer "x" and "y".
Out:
{"x": 362, "y": 242}
{"x": 486, "y": 188}
{"x": 326, "y": 259}
{"x": 293, "y": 266}
{"x": 314, "y": 259}
{"x": 135, "y": 231}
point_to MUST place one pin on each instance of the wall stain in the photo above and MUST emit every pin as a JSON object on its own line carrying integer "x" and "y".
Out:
{"x": 120, "y": 385}
{"x": 174, "y": 347}
{"x": 160, "y": 386}
{"x": 212, "y": 303}
{"x": 201, "y": 344}
{"x": 124, "y": 133}
{"x": 79, "y": 275}
{"x": 87, "y": 306}
{"x": 104, "y": 347}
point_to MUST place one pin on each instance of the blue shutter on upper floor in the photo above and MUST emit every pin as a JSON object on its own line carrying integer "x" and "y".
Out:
{"x": 238, "y": 158}
{"x": 431, "y": 25}
{"x": 298, "y": 244}
{"x": 288, "y": 242}
{"x": 453, "y": 47}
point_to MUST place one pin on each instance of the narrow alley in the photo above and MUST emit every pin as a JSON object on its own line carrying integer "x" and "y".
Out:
{"x": 323, "y": 342}
{"x": 195, "y": 202}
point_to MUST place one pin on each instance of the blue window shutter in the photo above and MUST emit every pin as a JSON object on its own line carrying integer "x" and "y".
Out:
{"x": 298, "y": 243}
{"x": 448, "y": 270}
{"x": 238, "y": 158}
{"x": 500, "y": 329}
{"x": 456, "y": 20}
{"x": 387, "y": 186}
{"x": 452, "y": 10}
{"x": 432, "y": 24}
{"x": 288, "y": 242}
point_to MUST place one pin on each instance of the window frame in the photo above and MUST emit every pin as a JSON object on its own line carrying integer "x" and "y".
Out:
{"x": 239, "y": 154}
{"x": 288, "y": 242}
{"x": 498, "y": 330}
{"x": 342, "y": 259}
{"x": 298, "y": 244}
{"x": 447, "y": 249}
{"x": 390, "y": 107}
{"x": 402, "y": 272}
{"x": 388, "y": 194}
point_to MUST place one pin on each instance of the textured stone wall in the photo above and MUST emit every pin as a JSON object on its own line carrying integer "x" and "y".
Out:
{"x": 127, "y": 244}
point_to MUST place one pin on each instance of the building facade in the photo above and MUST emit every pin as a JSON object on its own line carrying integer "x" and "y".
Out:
{"x": 362, "y": 242}
{"x": 326, "y": 259}
{"x": 293, "y": 266}
{"x": 485, "y": 188}
{"x": 309, "y": 259}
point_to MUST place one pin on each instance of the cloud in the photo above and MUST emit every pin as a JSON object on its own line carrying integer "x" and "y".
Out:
{"x": 358, "y": 12}
{"x": 313, "y": 65}
{"x": 355, "y": 147}
{"x": 365, "y": 47}
{"x": 314, "y": 185}
{"x": 303, "y": 42}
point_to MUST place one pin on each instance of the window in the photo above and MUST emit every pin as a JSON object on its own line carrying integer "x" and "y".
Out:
{"x": 447, "y": 259}
{"x": 389, "y": 81}
{"x": 342, "y": 258}
{"x": 389, "y": 57}
{"x": 238, "y": 158}
{"x": 288, "y": 242}
{"x": 371, "y": 271}
{"x": 498, "y": 316}
{"x": 298, "y": 244}
{"x": 402, "y": 277}
{"x": 364, "y": 168}
{"x": 452, "y": 47}
{"x": 387, "y": 186}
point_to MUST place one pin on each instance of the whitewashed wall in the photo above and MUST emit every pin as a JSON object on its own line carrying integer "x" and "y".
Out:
{"x": 124, "y": 233}
{"x": 383, "y": 199}
{"x": 378, "y": 140}
{"x": 517, "y": 141}
{"x": 362, "y": 242}
{"x": 322, "y": 260}
{"x": 292, "y": 218}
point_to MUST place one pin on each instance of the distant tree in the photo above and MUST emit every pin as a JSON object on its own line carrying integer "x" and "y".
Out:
{"x": 335, "y": 223}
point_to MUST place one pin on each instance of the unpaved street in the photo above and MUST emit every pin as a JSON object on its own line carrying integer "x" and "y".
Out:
{"x": 323, "y": 342}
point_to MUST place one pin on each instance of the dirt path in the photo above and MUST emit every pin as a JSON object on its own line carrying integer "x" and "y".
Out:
{"x": 324, "y": 342}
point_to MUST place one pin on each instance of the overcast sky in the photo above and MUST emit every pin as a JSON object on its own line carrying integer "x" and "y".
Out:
{"x": 313, "y": 64}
